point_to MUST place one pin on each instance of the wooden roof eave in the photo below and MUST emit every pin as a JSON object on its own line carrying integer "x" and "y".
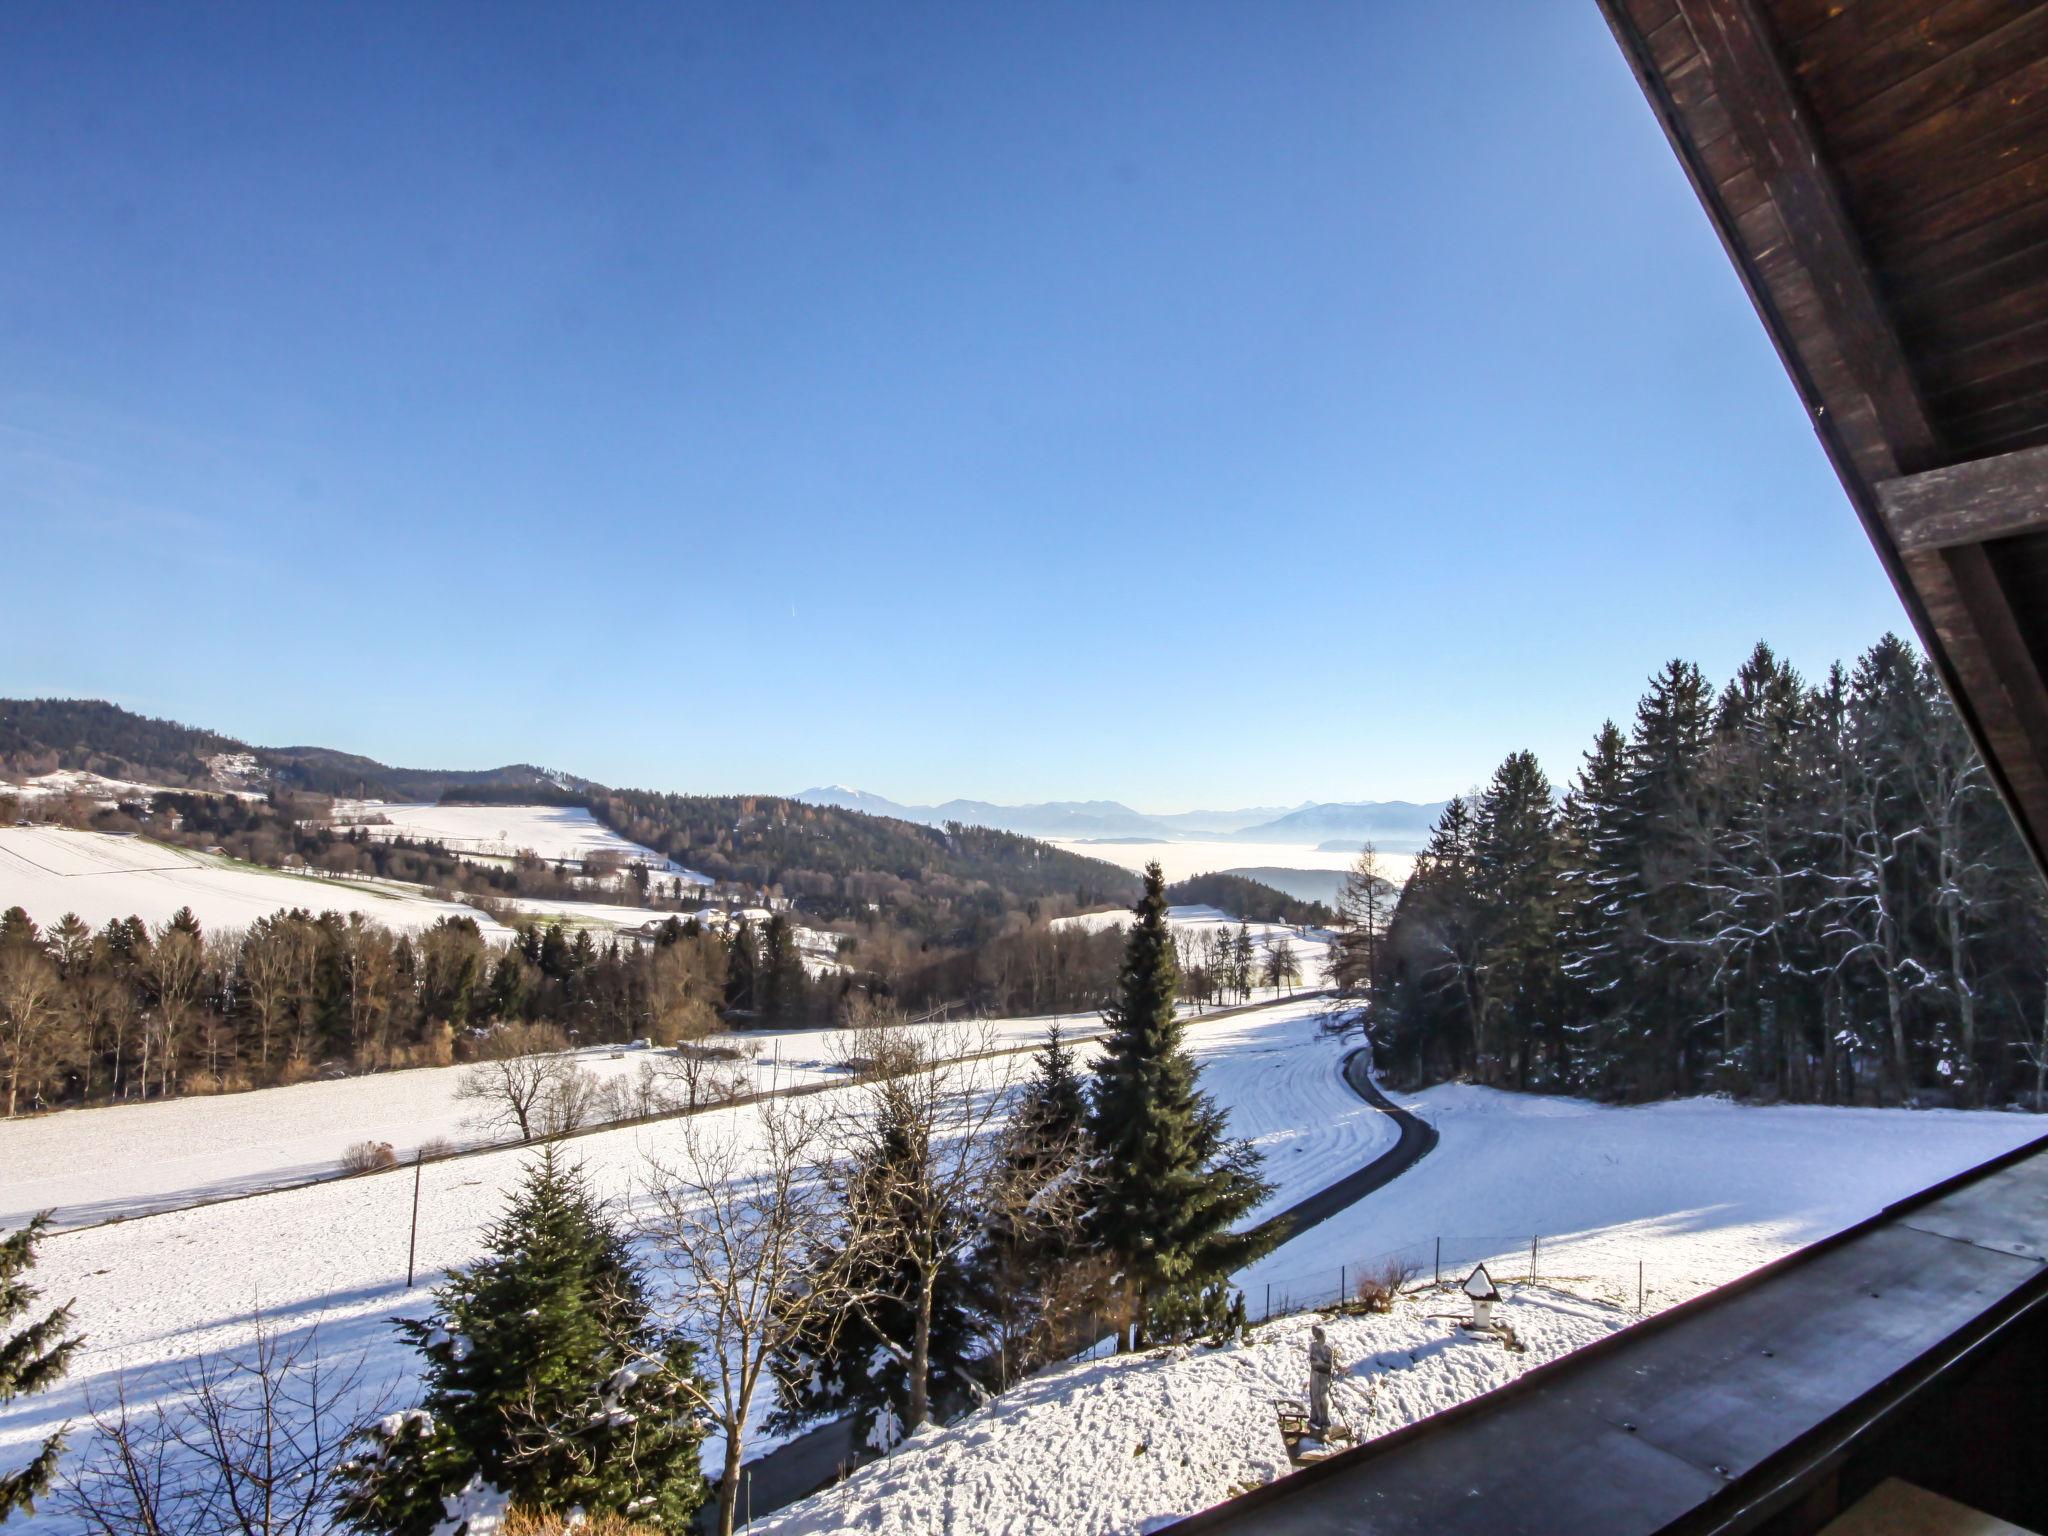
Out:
{"x": 1717, "y": 82}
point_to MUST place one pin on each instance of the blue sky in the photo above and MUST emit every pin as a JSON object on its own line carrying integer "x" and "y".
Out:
{"x": 1188, "y": 404}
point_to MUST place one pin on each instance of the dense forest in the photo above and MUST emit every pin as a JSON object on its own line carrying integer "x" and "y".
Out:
{"x": 134, "y": 1012}
{"x": 131, "y": 1012}
{"x": 950, "y": 883}
{"x": 1785, "y": 891}
{"x": 1249, "y": 901}
{"x": 42, "y": 735}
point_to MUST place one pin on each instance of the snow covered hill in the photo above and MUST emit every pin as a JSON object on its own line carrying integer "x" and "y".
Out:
{"x": 1697, "y": 1191}
{"x": 560, "y": 834}
{"x": 1124, "y": 1444}
{"x": 101, "y": 876}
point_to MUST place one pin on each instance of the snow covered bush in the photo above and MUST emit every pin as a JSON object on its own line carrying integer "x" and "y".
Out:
{"x": 1378, "y": 1288}
{"x": 368, "y": 1157}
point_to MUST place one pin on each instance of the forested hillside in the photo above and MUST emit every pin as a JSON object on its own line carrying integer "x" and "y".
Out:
{"x": 1788, "y": 891}
{"x": 1250, "y": 901}
{"x": 950, "y": 882}
{"x": 42, "y": 735}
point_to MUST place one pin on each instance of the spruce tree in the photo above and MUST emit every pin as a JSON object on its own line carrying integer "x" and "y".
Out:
{"x": 782, "y": 982}
{"x": 1514, "y": 874}
{"x": 31, "y": 1358}
{"x": 546, "y": 1380}
{"x": 742, "y": 969}
{"x": 1170, "y": 1183}
{"x": 1026, "y": 1276}
{"x": 1597, "y": 952}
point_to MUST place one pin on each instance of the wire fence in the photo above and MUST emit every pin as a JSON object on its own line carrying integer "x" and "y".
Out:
{"x": 1620, "y": 1269}
{"x": 1616, "y": 1268}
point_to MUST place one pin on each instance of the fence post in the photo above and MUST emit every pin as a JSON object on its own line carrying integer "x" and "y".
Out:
{"x": 1343, "y": 1282}
{"x": 1269, "y": 1303}
{"x": 412, "y": 1242}
{"x": 1439, "y": 1266}
{"x": 1532, "y": 1261}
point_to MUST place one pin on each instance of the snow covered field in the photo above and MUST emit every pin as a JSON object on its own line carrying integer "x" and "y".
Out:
{"x": 557, "y": 833}
{"x": 1699, "y": 1190}
{"x": 1182, "y": 860}
{"x": 102, "y": 876}
{"x": 156, "y": 1290}
{"x": 204, "y": 1148}
{"x": 98, "y": 788}
{"x": 49, "y": 871}
{"x": 1311, "y": 946}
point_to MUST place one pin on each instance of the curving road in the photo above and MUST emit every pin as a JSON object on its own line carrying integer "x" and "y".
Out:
{"x": 813, "y": 1460}
{"x": 1416, "y": 1139}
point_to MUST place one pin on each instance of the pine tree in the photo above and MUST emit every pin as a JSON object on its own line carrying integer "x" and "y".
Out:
{"x": 742, "y": 969}
{"x": 1514, "y": 888}
{"x": 545, "y": 1380}
{"x": 1668, "y": 809}
{"x": 782, "y": 983}
{"x": 1029, "y": 1274}
{"x": 30, "y": 1360}
{"x": 1170, "y": 1184}
{"x": 1596, "y": 947}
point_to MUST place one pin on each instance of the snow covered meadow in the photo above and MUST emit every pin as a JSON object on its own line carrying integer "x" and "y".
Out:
{"x": 560, "y": 834}
{"x": 102, "y": 876}
{"x": 1127, "y": 1443}
{"x": 1698, "y": 1190}
{"x": 51, "y": 870}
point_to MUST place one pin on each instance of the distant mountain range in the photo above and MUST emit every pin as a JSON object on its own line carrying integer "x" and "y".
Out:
{"x": 1395, "y": 826}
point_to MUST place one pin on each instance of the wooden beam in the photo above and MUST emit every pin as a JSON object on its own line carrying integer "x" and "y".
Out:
{"x": 1777, "y": 131}
{"x": 1737, "y": 119}
{"x": 1969, "y": 503}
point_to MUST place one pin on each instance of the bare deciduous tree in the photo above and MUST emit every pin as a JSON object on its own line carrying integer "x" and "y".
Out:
{"x": 921, "y": 1127}
{"x": 251, "y": 1443}
{"x": 513, "y": 1079}
{"x": 734, "y": 1223}
{"x": 28, "y": 1013}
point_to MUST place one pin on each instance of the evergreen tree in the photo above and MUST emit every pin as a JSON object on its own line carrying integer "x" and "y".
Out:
{"x": 1669, "y": 828}
{"x": 1170, "y": 1184}
{"x": 31, "y": 1358}
{"x": 545, "y": 1380}
{"x": 1030, "y": 1277}
{"x": 1240, "y": 960}
{"x": 742, "y": 969}
{"x": 782, "y": 984}
{"x": 1514, "y": 889}
{"x": 1595, "y": 944}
